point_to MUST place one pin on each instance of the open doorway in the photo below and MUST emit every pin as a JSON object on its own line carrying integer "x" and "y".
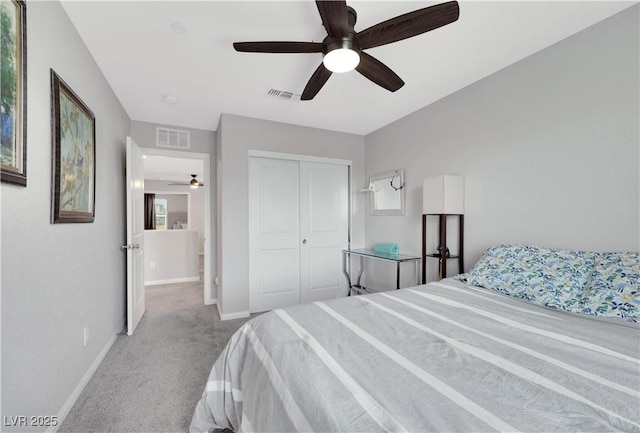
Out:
{"x": 185, "y": 218}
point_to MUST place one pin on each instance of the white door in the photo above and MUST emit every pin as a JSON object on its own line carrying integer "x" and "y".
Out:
{"x": 135, "y": 235}
{"x": 274, "y": 233}
{"x": 324, "y": 224}
{"x": 298, "y": 225}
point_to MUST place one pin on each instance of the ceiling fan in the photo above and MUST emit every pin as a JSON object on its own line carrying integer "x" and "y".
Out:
{"x": 343, "y": 47}
{"x": 193, "y": 183}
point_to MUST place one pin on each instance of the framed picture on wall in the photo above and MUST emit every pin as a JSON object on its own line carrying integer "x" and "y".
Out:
{"x": 13, "y": 101}
{"x": 74, "y": 151}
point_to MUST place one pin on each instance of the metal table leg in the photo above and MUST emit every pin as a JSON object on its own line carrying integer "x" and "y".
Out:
{"x": 345, "y": 271}
{"x": 360, "y": 273}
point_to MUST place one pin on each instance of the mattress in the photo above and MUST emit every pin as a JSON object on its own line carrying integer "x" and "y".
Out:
{"x": 441, "y": 357}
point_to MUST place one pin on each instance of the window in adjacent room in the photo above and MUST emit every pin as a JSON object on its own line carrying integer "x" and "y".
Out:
{"x": 161, "y": 213}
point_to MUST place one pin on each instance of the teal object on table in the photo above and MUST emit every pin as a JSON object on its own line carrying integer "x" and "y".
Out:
{"x": 387, "y": 248}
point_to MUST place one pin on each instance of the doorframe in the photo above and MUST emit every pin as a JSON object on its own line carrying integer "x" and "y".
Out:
{"x": 298, "y": 157}
{"x": 208, "y": 297}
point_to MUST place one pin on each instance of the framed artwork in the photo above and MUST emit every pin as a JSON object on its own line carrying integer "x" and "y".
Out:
{"x": 13, "y": 101}
{"x": 74, "y": 153}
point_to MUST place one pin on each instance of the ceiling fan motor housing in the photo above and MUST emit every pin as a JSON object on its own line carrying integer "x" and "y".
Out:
{"x": 331, "y": 43}
{"x": 349, "y": 42}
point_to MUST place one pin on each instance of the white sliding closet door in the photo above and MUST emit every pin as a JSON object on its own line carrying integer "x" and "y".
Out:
{"x": 324, "y": 224}
{"x": 298, "y": 226}
{"x": 274, "y": 234}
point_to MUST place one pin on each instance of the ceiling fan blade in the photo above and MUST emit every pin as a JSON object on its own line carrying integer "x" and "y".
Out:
{"x": 334, "y": 17}
{"x": 409, "y": 25}
{"x": 183, "y": 184}
{"x": 278, "y": 47}
{"x": 378, "y": 72}
{"x": 317, "y": 80}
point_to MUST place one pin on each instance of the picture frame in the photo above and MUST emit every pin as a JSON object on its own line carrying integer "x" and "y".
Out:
{"x": 73, "y": 156}
{"x": 13, "y": 103}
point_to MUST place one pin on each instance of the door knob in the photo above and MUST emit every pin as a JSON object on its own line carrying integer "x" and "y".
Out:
{"x": 304, "y": 241}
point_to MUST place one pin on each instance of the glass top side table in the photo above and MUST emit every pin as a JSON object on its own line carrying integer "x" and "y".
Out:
{"x": 371, "y": 254}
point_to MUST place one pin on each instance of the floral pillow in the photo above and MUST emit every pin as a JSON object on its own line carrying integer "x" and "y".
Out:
{"x": 551, "y": 277}
{"x": 614, "y": 290}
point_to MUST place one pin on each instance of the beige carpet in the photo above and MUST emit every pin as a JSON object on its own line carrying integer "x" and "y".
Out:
{"x": 151, "y": 381}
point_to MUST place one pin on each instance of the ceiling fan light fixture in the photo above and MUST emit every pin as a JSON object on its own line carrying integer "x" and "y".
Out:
{"x": 341, "y": 55}
{"x": 341, "y": 60}
{"x": 194, "y": 182}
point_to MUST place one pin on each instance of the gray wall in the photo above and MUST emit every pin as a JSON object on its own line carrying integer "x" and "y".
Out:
{"x": 238, "y": 135}
{"x": 144, "y": 134}
{"x": 57, "y": 279}
{"x": 177, "y": 209}
{"x": 549, "y": 148}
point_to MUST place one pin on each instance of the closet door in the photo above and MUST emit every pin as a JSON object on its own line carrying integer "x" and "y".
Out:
{"x": 324, "y": 224}
{"x": 274, "y": 233}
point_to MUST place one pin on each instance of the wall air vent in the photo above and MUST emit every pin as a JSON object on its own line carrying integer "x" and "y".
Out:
{"x": 282, "y": 94}
{"x": 173, "y": 138}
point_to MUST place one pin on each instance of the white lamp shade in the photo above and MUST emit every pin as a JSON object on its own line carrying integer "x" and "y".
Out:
{"x": 443, "y": 195}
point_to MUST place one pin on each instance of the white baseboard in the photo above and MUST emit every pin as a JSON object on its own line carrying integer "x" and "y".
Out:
{"x": 66, "y": 408}
{"x": 172, "y": 281}
{"x": 211, "y": 301}
{"x": 237, "y": 315}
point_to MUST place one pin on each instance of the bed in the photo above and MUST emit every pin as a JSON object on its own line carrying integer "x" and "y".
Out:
{"x": 443, "y": 357}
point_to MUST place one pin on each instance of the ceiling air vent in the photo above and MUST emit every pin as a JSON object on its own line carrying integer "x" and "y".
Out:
{"x": 173, "y": 138}
{"x": 282, "y": 94}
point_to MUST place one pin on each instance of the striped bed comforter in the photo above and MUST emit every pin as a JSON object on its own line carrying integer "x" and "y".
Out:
{"x": 443, "y": 357}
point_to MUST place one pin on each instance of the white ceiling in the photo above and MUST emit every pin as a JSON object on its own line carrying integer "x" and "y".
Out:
{"x": 144, "y": 59}
{"x": 157, "y": 167}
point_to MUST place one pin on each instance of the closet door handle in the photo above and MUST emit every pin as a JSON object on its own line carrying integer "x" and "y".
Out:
{"x": 304, "y": 241}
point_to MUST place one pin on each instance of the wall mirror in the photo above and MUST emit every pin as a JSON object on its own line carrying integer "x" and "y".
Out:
{"x": 387, "y": 193}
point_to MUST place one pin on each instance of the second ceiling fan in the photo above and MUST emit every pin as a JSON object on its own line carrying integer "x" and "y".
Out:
{"x": 343, "y": 47}
{"x": 193, "y": 183}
